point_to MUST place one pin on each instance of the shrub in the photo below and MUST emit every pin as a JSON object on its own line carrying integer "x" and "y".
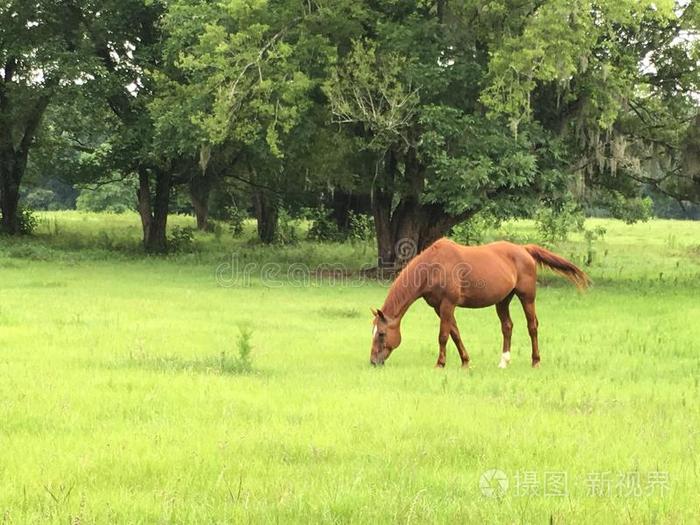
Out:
{"x": 472, "y": 231}
{"x": 555, "y": 225}
{"x": 245, "y": 349}
{"x": 27, "y": 221}
{"x": 323, "y": 227}
{"x": 361, "y": 227}
{"x": 181, "y": 239}
{"x": 591, "y": 236}
{"x": 286, "y": 228}
{"x": 235, "y": 218}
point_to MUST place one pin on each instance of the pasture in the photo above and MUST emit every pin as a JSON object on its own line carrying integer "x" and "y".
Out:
{"x": 122, "y": 399}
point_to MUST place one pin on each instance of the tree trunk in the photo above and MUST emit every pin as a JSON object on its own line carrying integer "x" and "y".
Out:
{"x": 12, "y": 167}
{"x": 144, "y": 205}
{"x": 9, "y": 204}
{"x": 200, "y": 189}
{"x": 267, "y": 213}
{"x": 408, "y": 228}
{"x": 157, "y": 242}
{"x": 381, "y": 211}
{"x": 154, "y": 212}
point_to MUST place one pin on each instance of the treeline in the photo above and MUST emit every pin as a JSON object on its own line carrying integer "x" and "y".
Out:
{"x": 421, "y": 114}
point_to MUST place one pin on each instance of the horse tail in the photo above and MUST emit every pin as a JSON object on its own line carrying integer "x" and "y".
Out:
{"x": 559, "y": 265}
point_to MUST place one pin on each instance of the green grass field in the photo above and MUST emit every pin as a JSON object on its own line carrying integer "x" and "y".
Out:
{"x": 118, "y": 404}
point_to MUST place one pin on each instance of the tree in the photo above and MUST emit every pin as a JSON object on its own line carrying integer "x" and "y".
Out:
{"x": 246, "y": 81}
{"x": 127, "y": 43}
{"x": 463, "y": 107}
{"x": 625, "y": 78}
{"x": 42, "y": 53}
{"x": 433, "y": 158}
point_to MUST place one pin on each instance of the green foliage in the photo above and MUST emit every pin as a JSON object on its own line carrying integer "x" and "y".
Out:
{"x": 371, "y": 89}
{"x": 112, "y": 197}
{"x": 181, "y": 239}
{"x": 287, "y": 229}
{"x": 591, "y": 236}
{"x": 473, "y": 231}
{"x": 39, "y": 199}
{"x": 323, "y": 227}
{"x": 244, "y": 344}
{"x": 629, "y": 210}
{"x": 27, "y": 221}
{"x": 361, "y": 227}
{"x": 235, "y": 219}
{"x": 555, "y": 225}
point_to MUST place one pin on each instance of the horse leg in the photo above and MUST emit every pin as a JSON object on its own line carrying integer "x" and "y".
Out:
{"x": 457, "y": 340}
{"x": 503, "y": 311}
{"x": 446, "y": 313}
{"x": 528, "y": 303}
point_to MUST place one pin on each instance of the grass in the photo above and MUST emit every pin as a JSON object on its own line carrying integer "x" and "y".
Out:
{"x": 123, "y": 400}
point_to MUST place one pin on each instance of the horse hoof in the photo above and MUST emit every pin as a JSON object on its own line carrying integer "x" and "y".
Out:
{"x": 439, "y": 366}
{"x": 536, "y": 364}
{"x": 505, "y": 359}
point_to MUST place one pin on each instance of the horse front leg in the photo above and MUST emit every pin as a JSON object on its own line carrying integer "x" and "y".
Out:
{"x": 447, "y": 324}
{"x": 457, "y": 339}
{"x": 445, "y": 327}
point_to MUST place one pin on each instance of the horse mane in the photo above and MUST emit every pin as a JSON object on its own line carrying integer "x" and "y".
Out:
{"x": 405, "y": 289}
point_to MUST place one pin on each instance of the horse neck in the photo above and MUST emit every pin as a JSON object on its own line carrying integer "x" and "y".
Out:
{"x": 405, "y": 290}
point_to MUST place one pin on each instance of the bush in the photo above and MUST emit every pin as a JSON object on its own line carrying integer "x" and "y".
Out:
{"x": 235, "y": 218}
{"x": 472, "y": 231}
{"x": 245, "y": 349}
{"x": 555, "y": 225}
{"x": 591, "y": 236}
{"x": 181, "y": 239}
{"x": 113, "y": 197}
{"x": 323, "y": 227}
{"x": 361, "y": 227}
{"x": 286, "y": 228}
{"x": 27, "y": 221}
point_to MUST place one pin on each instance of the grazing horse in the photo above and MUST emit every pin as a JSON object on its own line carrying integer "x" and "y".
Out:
{"x": 448, "y": 275}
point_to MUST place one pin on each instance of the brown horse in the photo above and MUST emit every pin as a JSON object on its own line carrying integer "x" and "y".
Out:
{"x": 448, "y": 275}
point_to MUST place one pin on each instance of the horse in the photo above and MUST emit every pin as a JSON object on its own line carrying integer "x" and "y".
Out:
{"x": 447, "y": 275}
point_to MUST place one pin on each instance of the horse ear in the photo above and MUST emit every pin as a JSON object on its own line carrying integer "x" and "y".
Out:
{"x": 374, "y": 312}
{"x": 381, "y": 315}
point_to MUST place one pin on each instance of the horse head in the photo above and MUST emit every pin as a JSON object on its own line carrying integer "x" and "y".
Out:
{"x": 386, "y": 336}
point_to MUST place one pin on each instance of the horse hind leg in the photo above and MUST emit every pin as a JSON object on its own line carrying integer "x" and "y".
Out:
{"x": 528, "y": 303}
{"x": 503, "y": 311}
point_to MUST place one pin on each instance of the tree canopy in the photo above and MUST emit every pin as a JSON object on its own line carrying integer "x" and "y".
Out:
{"x": 430, "y": 112}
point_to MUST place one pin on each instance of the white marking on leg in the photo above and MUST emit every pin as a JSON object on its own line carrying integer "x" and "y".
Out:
{"x": 505, "y": 359}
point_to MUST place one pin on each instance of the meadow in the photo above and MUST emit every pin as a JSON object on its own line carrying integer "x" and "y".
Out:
{"x": 124, "y": 399}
